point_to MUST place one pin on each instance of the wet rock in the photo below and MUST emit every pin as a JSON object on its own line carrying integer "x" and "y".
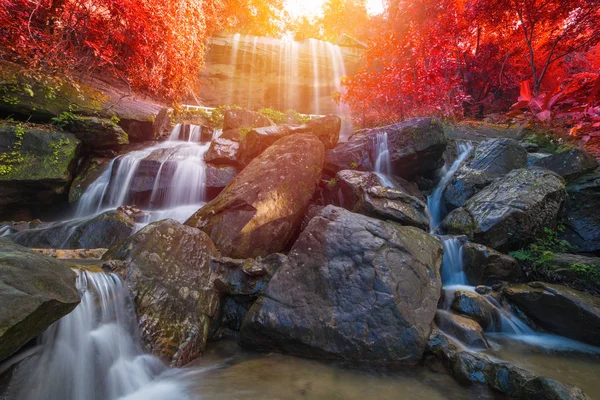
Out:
{"x": 478, "y": 131}
{"x": 241, "y": 118}
{"x": 327, "y": 129}
{"x": 530, "y": 146}
{"x": 467, "y": 330}
{"x": 244, "y": 277}
{"x": 364, "y": 193}
{"x": 162, "y": 125}
{"x": 223, "y": 152}
{"x": 511, "y": 211}
{"x": 559, "y": 309}
{"x": 347, "y": 272}
{"x": 492, "y": 159}
{"x": 36, "y": 291}
{"x": 38, "y": 165}
{"x": 569, "y": 164}
{"x": 415, "y": 145}
{"x": 102, "y": 231}
{"x": 260, "y": 210}
{"x": 217, "y": 178}
{"x": 254, "y": 141}
{"x": 486, "y": 266}
{"x": 138, "y": 131}
{"x": 474, "y": 306}
{"x": 483, "y": 289}
{"x": 582, "y": 216}
{"x": 532, "y": 158}
{"x": 577, "y": 271}
{"x": 168, "y": 272}
{"x": 97, "y": 133}
{"x": 78, "y": 254}
{"x": 89, "y": 172}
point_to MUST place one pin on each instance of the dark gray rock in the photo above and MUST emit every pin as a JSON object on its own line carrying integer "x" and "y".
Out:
{"x": 97, "y": 133}
{"x": 415, "y": 145}
{"x": 486, "y": 266}
{"x": 353, "y": 288}
{"x": 244, "y": 277}
{"x": 582, "y": 214}
{"x": 512, "y": 210}
{"x": 91, "y": 170}
{"x": 224, "y": 152}
{"x": 167, "y": 268}
{"x": 468, "y": 331}
{"x": 217, "y": 178}
{"x": 569, "y": 164}
{"x": 162, "y": 125}
{"x": 36, "y": 291}
{"x": 474, "y": 306}
{"x": 493, "y": 158}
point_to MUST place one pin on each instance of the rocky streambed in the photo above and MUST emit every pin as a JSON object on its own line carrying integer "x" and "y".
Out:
{"x": 286, "y": 241}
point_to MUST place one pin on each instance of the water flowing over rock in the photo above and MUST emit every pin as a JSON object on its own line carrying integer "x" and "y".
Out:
{"x": 97, "y": 133}
{"x": 582, "y": 216}
{"x": 570, "y": 164}
{"x": 559, "y": 309}
{"x": 42, "y": 168}
{"x": 415, "y": 148}
{"x": 36, "y": 290}
{"x": 365, "y": 193}
{"x": 486, "y": 266}
{"x": 474, "y": 306}
{"x": 493, "y": 158}
{"x": 89, "y": 172}
{"x": 354, "y": 288}
{"x": 512, "y": 210}
{"x": 261, "y": 209}
{"x": 102, "y": 231}
{"x": 167, "y": 268}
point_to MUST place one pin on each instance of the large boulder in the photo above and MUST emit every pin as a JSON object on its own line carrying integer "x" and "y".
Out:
{"x": 364, "y": 193}
{"x": 237, "y": 118}
{"x": 326, "y": 128}
{"x": 486, "y": 266}
{"x": 36, "y": 291}
{"x": 260, "y": 210}
{"x": 223, "y": 151}
{"x": 493, "y": 158}
{"x": 582, "y": 216}
{"x": 559, "y": 309}
{"x": 569, "y": 164}
{"x": 102, "y": 231}
{"x": 167, "y": 268}
{"x": 415, "y": 146}
{"x": 91, "y": 170}
{"x": 36, "y": 164}
{"x": 217, "y": 178}
{"x": 474, "y": 306}
{"x": 97, "y": 133}
{"x": 467, "y": 330}
{"x": 354, "y": 288}
{"x": 511, "y": 211}
{"x": 254, "y": 141}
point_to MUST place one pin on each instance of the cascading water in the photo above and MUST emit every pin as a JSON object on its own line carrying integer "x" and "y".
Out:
{"x": 434, "y": 201}
{"x": 383, "y": 163}
{"x": 94, "y": 353}
{"x": 168, "y": 179}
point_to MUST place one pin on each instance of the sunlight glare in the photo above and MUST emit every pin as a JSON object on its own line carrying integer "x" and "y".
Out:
{"x": 312, "y": 8}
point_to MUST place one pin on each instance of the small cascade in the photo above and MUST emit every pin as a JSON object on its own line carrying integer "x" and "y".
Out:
{"x": 94, "y": 353}
{"x": 383, "y": 163}
{"x": 434, "y": 201}
{"x": 167, "y": 179}
{"x": 453, "y": 273}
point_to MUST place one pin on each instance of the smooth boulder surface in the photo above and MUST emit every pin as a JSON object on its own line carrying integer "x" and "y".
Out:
{"x": 570, "y": 164}
{"x": 38, "y": 167}
{"x": 167, "y": 268}
{"x": 353, "y": 288}
{"x": 486, "y": 266}
{"x": 493, "y": 158}
{"x": 102, "y": 231}
{"x": 326, "y": 128}
{"x": 97, "y": 133}
{"x": 241, "y": 118}
{"x": 260, "y": 210}
{"x": 415, "y": 146}
{"x": 467, "y": 330}
{"x": 559, "y": 309}
{"x": 511, "y": 211}
{"x": 474, "y": 306}
{"x": 217, "y": 178}
{"x": 224, "y": 151}
{"x": 582, "y": 214}
{"x": 36, "y": 291}
{"x": 364, "y": 193}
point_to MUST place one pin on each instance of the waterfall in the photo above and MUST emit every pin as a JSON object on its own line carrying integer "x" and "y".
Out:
{"x": 94, "y": 353}
{"x": 383, "y": 163}
{"x": 168, "y": 179}
{"x": 435, "y": 204}
{"x": 453, "y": 273}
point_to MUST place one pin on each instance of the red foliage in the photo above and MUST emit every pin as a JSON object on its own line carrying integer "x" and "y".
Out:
{"x": 154, "y": 45}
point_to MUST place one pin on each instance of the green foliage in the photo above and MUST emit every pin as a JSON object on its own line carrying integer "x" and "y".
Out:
{"x": 542, "y": 250}
{"x": 56, "y": 147}
{"x": 10, "y": 158}
{"x": 332, "y": 182}
{"x": 274, "y": 115}
{"x": 586, "y": 269}
{"x": 245, "y": 131}
{"x": 64, "y": 119}
{"x": 115, "y": 120}
{"x": 549, "y": 142}
{"x": 353, "y": 165}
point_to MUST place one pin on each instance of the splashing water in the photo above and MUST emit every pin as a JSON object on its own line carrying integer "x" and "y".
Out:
{"x": 434, "y": 201}
{"x": 383, "y": 163}
{"x": 94, "y": 353}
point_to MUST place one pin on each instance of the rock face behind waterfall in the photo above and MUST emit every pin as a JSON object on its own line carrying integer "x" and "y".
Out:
{"x": 260, "y": 210}
{"x": 364, "y": 193}
{"x": 415, "y": 145}
{"x": 511, "y": 211}
{"x": 36, "y": 290}
{"x": 168, "y": 271}
{"x": 493, "y": 158}
{"x": 354, "y": 288}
